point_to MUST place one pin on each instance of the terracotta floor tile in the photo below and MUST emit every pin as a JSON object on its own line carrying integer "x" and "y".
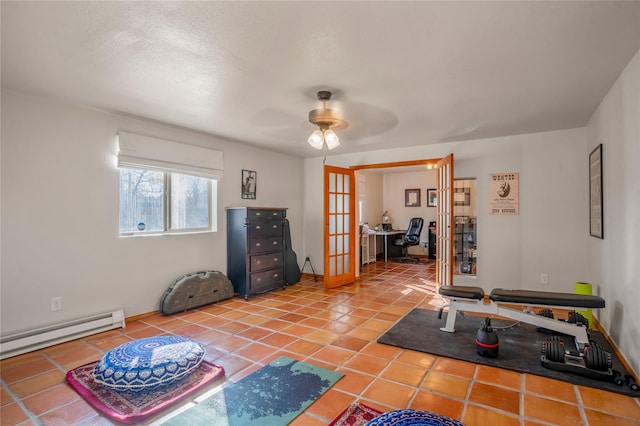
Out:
{"x": 353, "y": 382}
{"x": 70, "y": 414}
{"x": 366, "y": 364}
{"x": 365, "y": 334}
{"x": 381, "y": 351}
{"x": 542, "y": 386}
{"x": 439, "y": 404}
{"x": 37, "y": 383}
{"x": 278, "y": 340}
{"x": 322, "y": 336}
{"x": 389, "y": 393}
{"x": 498, "y": 376}
{"x": 405, "y": 374}
{"x": 296, "y": 317}
{"x": 496, "y": 397}
{"x": 304, "y": 347}
{"x": 12, "y": 414}
{"x": 211, "y": 336}
{"x": 330, "y": 404}
{"x": 551, "y": 411}
{"x": 255, "y": 351}
{"x": 333, "y": 355}
{"x": 26, "y": 370}
{"x": 231, "y": 343}
{"x": 480, "y": 416}
{"x": 298, "y": 330}
{"x": 234, "y": 327}
{"x": 455, "y": 367}
{"x": 597, "y": 418}
{"x": 50, "y": 399}
{"x": 232, "y": 364}
{"x": 350, "y": 342}
{"x": 5, "y": 397}
{"x": 191, "y": 330}
{"x": 80, "y": 353}
{"x": 446, "y": 384}
{"x": 418, "y": 359}
{"x": 609, "y": 402}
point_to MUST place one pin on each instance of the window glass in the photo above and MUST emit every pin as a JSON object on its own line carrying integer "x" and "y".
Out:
{"x": 189, "y": 202}
{"x": 141, "y": 200}
{"x": 146, "y": 195}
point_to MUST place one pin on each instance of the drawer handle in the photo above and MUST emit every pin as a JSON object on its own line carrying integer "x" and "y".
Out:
{"x": 275, "y": 243}
{"x": 258, "y": 262}
{"x": 275, "y": 275}
{"x": 259, "y": 279}
{"x": 257, "y": 226}
{"x": 275, "y": 226}
{"x": 275, "y": 259}
{"x": 258, "y": 214}
{"x": 258, "y": 244}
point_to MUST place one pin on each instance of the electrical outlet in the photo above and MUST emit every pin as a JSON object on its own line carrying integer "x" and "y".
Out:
{"x": 56, "y": 303}
{"x": 544, "y": 278}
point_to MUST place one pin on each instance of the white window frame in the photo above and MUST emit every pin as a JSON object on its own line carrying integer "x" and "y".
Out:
{"x": 168, "y": 157}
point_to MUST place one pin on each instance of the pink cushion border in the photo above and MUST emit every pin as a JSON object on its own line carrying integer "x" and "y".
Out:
{"x": 132, "y": 407}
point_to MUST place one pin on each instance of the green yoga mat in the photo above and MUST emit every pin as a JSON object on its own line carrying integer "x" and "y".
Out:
{"x": 274, "y": 395}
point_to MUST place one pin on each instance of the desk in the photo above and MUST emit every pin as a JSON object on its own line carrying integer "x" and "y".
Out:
{"x": 386, "y": 234}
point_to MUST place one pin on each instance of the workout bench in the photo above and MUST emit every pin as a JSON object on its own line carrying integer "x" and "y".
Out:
{"x": 471, "y": 299}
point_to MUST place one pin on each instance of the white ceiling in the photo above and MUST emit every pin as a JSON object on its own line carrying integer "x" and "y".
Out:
{"x": 402, "y": 73}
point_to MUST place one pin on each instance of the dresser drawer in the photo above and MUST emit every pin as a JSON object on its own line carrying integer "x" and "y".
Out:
{"x": 266, "y": 261}
{"x": 264, "y": 227}
{"x": 266, "y": 280}
{"x": 259, "y": 245}
{"x": 254, "y": 215}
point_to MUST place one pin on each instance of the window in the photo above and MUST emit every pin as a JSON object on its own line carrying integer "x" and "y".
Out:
{"x": 166, "y": 186}
{"x": 158, "y": 202}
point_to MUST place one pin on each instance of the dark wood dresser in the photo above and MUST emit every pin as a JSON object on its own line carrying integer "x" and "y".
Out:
{"x": 255, "y": 249}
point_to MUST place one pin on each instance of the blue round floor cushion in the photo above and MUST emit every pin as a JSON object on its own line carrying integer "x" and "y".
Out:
{"x": 407, "y": 417}
{"x": 147, "y": 363}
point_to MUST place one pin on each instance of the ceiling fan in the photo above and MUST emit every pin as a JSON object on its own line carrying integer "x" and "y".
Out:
{"x": 326, "y": 119}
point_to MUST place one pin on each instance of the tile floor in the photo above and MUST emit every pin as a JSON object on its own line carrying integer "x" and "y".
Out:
{"x": 336, "y": 329}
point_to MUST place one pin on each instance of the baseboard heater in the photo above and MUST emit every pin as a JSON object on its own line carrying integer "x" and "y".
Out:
{"x": 27, "y": 341}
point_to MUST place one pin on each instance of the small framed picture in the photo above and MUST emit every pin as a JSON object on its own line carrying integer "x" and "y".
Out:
{"x": 595, "y": 193}
{"x": 432, "y": 197}
{"x": 249, "y": 178}
{"x": 412, "y": 197}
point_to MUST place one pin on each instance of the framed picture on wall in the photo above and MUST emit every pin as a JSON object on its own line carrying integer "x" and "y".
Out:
{"x": 432, "y": 197}
{"x": 412, "y": 197}
{"x": 249, "y": 178}
{"x": 595, "y": 193}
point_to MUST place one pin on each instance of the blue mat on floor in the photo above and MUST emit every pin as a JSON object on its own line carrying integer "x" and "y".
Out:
{"x": 274, "y": 395}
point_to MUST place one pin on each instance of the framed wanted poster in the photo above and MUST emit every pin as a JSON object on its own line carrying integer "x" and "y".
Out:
{"x": 504, "y": 193}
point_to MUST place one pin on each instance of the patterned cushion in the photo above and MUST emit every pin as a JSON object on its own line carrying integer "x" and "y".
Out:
{"x": 408, "y": 417}
{"x": 147, "y": 363}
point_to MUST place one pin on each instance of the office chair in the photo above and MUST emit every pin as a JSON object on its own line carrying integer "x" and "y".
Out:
{"x": 411, "y": 238}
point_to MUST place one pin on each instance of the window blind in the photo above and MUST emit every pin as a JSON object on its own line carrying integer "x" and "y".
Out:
{"x": 138, "y": 151}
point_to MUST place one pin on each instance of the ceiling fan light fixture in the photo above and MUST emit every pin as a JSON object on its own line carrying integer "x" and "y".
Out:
{"x": 316, "y": 140}
{"x": 324, "y": 118}
{"x": 331, "y": 139}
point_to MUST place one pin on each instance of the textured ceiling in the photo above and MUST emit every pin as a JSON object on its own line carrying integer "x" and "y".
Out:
{"x": 402, "y": 73}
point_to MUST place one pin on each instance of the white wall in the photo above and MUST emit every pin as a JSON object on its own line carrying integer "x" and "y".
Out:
{"x": 613, "y": 263}
{"x": 394, "y": 201}
{"x": 548, "y": 236}
{"x": 60, "y": 213}
{"x": 370, "y": 193}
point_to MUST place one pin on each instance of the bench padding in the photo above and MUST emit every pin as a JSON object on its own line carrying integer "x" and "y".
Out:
{"x": 462, "y": 292}
{"x": 546, "y": 298}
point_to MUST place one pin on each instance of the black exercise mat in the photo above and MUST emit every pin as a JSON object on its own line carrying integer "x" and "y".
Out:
{"x": 520, "y": 346}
